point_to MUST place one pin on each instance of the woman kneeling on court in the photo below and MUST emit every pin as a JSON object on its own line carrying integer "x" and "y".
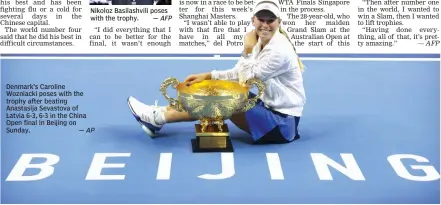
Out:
{"x": 269, "y": 56}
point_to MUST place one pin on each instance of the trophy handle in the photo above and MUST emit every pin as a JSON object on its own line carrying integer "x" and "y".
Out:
{"x": 172, "y": 102}
{"x": 260, "y": 86}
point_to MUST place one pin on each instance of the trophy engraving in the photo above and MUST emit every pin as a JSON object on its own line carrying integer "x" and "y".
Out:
{"x": 212, "y": 102}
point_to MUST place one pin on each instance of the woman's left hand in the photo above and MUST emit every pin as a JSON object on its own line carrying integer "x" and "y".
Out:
{"x": 197, "y": 78}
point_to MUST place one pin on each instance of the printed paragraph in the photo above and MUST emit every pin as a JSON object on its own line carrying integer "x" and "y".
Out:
{"x": 213, "y": 22}
{"x": 40, "y": 105}
{"x": 390, "y": 22}
{"x": 322, "y": 23}
{"x": 130, "y": 27}
{"x": 40, "y": 23}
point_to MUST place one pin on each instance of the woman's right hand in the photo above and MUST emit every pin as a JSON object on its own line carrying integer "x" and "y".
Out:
{"x": 197, "y": 78}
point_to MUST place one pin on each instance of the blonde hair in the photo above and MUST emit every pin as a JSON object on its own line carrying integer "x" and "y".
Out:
{"x": 302, "y": 67}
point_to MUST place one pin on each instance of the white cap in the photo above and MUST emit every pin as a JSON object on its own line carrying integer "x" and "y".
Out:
{"x": 269, "y": 5}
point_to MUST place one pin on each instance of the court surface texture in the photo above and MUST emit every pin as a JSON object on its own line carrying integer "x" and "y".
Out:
{"x": 366, "y": 109}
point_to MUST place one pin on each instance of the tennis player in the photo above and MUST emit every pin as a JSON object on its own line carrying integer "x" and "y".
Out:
{"x": 269, "y": 56}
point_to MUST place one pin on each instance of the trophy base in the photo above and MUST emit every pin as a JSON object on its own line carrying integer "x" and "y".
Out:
{"x": 212, "y": 140}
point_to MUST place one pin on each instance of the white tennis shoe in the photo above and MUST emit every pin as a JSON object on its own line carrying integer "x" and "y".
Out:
{"x": 146, "y": 115}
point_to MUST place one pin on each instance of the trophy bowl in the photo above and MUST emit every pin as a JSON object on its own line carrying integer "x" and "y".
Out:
{"x": 212, "y": 102}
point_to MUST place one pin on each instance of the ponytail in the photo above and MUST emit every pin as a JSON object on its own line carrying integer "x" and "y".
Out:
{"x": 302, "y": 67}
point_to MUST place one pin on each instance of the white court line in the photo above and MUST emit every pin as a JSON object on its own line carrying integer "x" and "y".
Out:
{"x": 215, "y": 58}
{"x": 165, "y": 163}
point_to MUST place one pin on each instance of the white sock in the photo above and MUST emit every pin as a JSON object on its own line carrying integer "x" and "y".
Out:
{"x": 161, "y": 108}
{"x": 160, "y": 117}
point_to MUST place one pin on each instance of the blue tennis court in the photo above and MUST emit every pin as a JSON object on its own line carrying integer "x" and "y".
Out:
{"x": 358, "y": 112}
